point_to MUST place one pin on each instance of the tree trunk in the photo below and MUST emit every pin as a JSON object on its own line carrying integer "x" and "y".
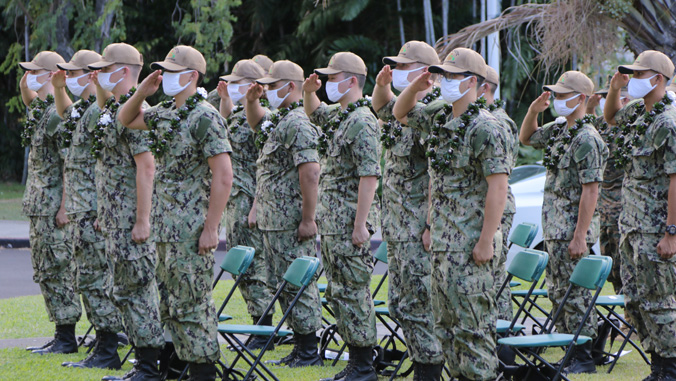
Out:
{"x": 651, "y": 24}
{"x": 63, "y": 46}
{"x": 105, "y": 26}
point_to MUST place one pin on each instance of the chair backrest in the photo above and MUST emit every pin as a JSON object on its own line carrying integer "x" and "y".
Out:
{"x": 524, "y": 234}
{"x": 301, "y": 271}
{"x": 381, "y": 252}
{"x": 238, "y": 259}
{"x": 528, "y": 265}
{"x": 591, "y": 272}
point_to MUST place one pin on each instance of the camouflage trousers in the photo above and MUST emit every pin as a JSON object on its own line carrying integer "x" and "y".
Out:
{"x": 186, "y": 307}
{"x": 348, "y": 291}
{"x": 504, "y": 300}
{"x": 253, "y": 286}
{"x": 409, "y": 299}
{"x": 134, "y": 287}
{"x": 650, "y": 292}
{"x": 463, "y": 301}
{"x": 94, "y": 275}
{"x": 54, "y": 270}
{"x": 610, "y": 246}
{"x": 559, "y": 269}
{"x": 281, "y": 248}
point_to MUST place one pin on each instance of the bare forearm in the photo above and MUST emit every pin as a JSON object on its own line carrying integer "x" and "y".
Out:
{"x": 308, "y": 174}
{"x": 145, "y": 172}
{"x": 671, "y": 201}
{"x": 496, "y": 197}
{"x": 404, "y": 104}
{"x": 613, "y": 105}
{"x": 367, "y": 191}
{"x": 310, "y": 102}
{"x": 225, "y": 107}
{"x": 61, "y": 100}
{"x": 254, "y": 113}
{"x": 528, "y": 127}
{"x": 28, "y": 95}
{"x": 131, "y": 113}
{"x": 588, "y": 199}
{"x": 382, "y": 95}
{"x": 429, "y": 202}
{"x": 221, "y": 184}
{"x": 102, "y": 96}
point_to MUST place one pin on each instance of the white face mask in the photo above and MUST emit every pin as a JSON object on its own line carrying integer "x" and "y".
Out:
{"x": 639, "y": 88}
{"x": 400, "y": 78}
{"x": 602, "y": 103}
{"x": 450, "y": 89}
{"x": 274, "y": 99}
{"x": 32, "y": 81}
{"x": 234, "y": 93}
{"x": 561, "y": 108}
{"x": 332, "y": 90}
{"x": 104, "y": 80}
{"x": 171, "y": 83}
{"x": 74, "y": 86}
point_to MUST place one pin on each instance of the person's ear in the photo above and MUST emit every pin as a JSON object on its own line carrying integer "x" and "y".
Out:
{"x": 582, "y": 99}
{"x": 353, "y": 81}
{"x": 292, "y": 86}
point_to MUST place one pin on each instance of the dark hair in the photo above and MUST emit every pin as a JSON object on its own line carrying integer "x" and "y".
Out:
{"x": 361, "y": 79}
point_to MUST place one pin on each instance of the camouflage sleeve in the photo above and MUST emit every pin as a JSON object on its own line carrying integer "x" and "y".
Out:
{"x": 214, "y": 99}
{"x": 666, "y": 137}
{"x": 541, "y": 135}
{"x": 422, "y": 115}
{"x": 385, "y": 112}
{"x": 490, "y": 146}
{"x": 365, "y": 147}
{"x": 590, "y": 156}
{"x": 630, "y": 108}
{"x": 301, "y": 139}
{"x": 323, "y": 113}
{"x": 211, "y": 133}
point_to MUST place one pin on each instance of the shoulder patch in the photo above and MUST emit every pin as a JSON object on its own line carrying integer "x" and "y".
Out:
{"x": 582, "y": 151}
{"x": 53, "y": 123}
{"x": 203, "y": 126}
{"x": 660, "y": 136}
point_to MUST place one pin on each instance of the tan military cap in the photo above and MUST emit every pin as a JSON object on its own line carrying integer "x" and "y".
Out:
{"x": 263, "y": 60}
{"x": 81, "y": 60}
{"x": 572, "y": 81}
{"x": 283, "y": 71}
{"x": 181, "y": 58}
{"x": 344, "y": 62}
{"x": 244, "y": 69}
{"x": 44, "y": 60}
{"x": 492, "y": 76}
{"x": 462, "y": 60}
{"x": 119, "y": 53}
{"x": 414, "y": 51}
{"x": 650, "y": 60}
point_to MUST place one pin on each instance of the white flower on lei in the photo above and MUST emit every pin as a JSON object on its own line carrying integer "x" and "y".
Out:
{"x": 671, "y": 95}
{"x": 560, "y": 120}
{"x": 105, "y": 119}
{"x": 202, "y": 92}
{"x": 267, "y": 126}
{"x": 75, "y": 113}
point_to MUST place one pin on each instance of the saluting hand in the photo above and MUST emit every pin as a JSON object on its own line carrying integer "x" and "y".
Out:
{"x": 540, "y": 103}
{"x": 94, "y": 77}
{"x": 254, "y": 92}
{"x": 222, "y": 90}
{"x": 384, "y": 77}
{"x": 422, "y": 82}
{"x": 59, "y": 79}
{"x": 312, "y": 83}
{"x": 594, "y": 101}
{"x": 150, "y": 84}
{"x": 619, "y": 81}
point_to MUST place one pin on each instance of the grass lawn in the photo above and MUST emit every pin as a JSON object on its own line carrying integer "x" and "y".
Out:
{"x": 10, "y": 201}
{"x": 26, "y": 317}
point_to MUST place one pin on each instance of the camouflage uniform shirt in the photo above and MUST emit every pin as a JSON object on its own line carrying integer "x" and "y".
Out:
{"x": 405, "y": 183}
{"x": 79, "y": 176}
{"x": 459, "y": 194}
{"x": 582, "y": 162}
{"x": 44, "y": 185}
{"x": 352, "y": 153}
{"x": 182, "y": 176}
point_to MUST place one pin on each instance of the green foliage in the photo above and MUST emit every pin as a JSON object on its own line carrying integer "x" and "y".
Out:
{"x": 616, "y": 9}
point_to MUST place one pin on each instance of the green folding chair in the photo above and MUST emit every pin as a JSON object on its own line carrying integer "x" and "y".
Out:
{"x": 300, "y": 273}
{"x": 590, "y": 273}
{"x": 522, "y": 236}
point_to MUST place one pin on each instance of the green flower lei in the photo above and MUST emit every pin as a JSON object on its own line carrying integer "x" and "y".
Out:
{"x": 499, "y": 103}
{"x": 33, "y": 117}
{"x": 235, "y": 123}
{"x": 269, "y": 125}
{"x": 159, "y": 141}
{"x": 329, "y": 129}
{"x": 76, "y": 114}
{"x": 551, "y": 157}
{"x": 391, "y": 130}
{"x": 106, "y": 119}
{"x": 626, "y": 135}
{"x": 441, "y": 161}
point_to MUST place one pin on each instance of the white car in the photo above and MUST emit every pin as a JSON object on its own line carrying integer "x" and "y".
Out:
{"x": 528, "y": 187}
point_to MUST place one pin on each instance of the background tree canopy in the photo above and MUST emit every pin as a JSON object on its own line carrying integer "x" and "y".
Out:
{"x": 307, "y": 32}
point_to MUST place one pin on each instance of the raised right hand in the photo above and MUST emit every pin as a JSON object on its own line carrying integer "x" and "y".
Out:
{"x": 150, "y": 84}
{"x": 422, "y": 82}
{"x": 540, "y": 103}
{"x": 222, "y": 90}
{"x": 384, "y": 77}
{"x": 59, "y": 79}
{"x": 254, "y": 92}
{"x": 619, "y": 81}
{"x": 312, "y": 83}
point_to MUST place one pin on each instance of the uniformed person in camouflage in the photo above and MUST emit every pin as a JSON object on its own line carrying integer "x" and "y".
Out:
{"x": 575, "y": 157}
{"x": 405, "y": 207}
{"x": 647, "y": 152}
{"x": 94, "y": 276}
{"x": 469, "y": 165}
{"x": 124, "y": 183}
{"x": 253, "y": 285}
{"x": 43, "y": 203}
{"x": 194, "y": 178}
{"x": 287, "y": 176}
{"x": 222, "y": 101}
{"x": 347, "y": 211}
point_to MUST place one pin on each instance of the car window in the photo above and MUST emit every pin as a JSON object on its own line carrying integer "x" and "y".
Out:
{"x": 524, "y": 172}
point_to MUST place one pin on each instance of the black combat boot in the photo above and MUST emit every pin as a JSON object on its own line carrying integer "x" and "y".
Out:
{"x": 427, "y": 372}
{"x": 340, "y": 375}
{"x": 306, "y": 354}
{"x": 202, "y": 372}
{"x": 599, "y": 346}
{"x": 655, "y": 367}
{"x": 668, "y": 369}
{"x": 258, "y": 342}
{"x": 581, "y": 360}
{"x": 104, "y": 355}
{"x": 145, "y": 368}
{"x": 64, "y": 341}
{"x": 362, "y": 369}
{"x": 43, "y": 346}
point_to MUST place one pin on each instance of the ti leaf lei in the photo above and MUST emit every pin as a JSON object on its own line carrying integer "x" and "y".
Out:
{"x": 159, "y": 141}
{"x": 76, "y": 114}
{"x": 627, "y": 135}
{"x": 441, "y": 161}
{"x": 236, "y": 122}
{"x": 551, "y": 157}
{"x": 329, "y": 128}
{"x": 392, "y": 130}
{"x": 106, "y": 119}
{"x": 269, "y": 125}
{"x": 34, "y": 116}
{"x": 499, "y": 103}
